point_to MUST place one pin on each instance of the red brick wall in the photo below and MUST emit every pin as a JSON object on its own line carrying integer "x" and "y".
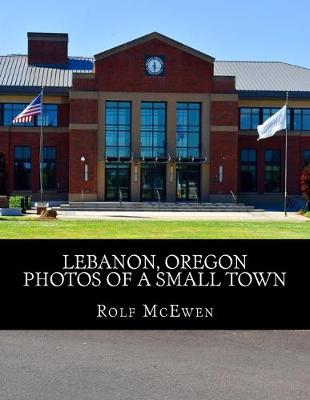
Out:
{"x": 63, "y": 115}
{"x": 224, "y": 152}
{"x": 32, "y": 139}
{"x": 83, "y": 111}
{"x": 224, "y": 84}
{"x": 84, "y": 84}
{"x": 124, "y": 71}
{"x": 224, "y": 113}
{"x": 4, "y": 148}
{"x": 47, "y": 52}
{"x": 296, "y": 146}
{"x": 83, "y": 143}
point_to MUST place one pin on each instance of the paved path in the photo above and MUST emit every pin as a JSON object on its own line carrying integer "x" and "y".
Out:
{"x": 161, "y": 365}
{"x": 167, "y": 215}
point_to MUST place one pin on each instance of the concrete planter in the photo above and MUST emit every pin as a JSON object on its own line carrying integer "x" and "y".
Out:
{"x": 12, "y": 212}
{"x": 41, "y": 207}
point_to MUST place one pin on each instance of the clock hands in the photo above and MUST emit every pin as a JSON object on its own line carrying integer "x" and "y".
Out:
{"x": 154, "y": 65}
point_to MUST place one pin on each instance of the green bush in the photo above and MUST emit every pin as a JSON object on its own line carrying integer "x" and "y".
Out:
{"x": 307, "y": 214}
{"x": 20, "y": 201}
{"x": 15, "y": 201}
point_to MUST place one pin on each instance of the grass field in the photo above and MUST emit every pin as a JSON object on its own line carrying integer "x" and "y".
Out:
{"x": 27, "y": 228}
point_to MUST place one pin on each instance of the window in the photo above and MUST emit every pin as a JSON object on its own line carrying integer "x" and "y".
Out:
{"x": 11, "y": 110}
{"x": 248, "y": 170}
{"x": 249, "y": 118}
{"x": 301, "y": 119}
{"x": 268, "y": 112}
{"x": 188, "y": 129}
{"x": 50, "y": 115}
{"x": 22, "y": 168}
{"x": 153, "y": 129}
{"x": 289, "y": 115}
{"x": 49, "y": 168}
{"x": 117, "y": 128}
{"x": 306, "y": 158}
{"x": 272, "y": 170}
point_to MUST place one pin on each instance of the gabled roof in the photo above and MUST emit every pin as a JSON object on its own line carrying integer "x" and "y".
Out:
{"x": 150, "y": 36}
{"x": 15, "y": 72}
{"x": 253, "y": 78}
{"x": 265, "y": 75}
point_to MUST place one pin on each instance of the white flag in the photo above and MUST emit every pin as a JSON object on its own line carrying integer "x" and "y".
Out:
{"x": 275, "y": 123}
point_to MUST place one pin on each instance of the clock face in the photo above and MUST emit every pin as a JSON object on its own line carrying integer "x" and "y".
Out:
{"x": 154, "y": 65}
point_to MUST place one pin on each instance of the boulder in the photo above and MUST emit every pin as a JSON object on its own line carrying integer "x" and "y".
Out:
{"x": 48, "y": 213}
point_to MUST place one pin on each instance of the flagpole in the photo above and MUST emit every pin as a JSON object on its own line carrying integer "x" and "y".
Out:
{"x": 285, "y": 167}
{"x": 41, "y": 149}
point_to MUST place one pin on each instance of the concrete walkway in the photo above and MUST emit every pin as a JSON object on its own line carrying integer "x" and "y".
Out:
{"x": 197, "y": 216}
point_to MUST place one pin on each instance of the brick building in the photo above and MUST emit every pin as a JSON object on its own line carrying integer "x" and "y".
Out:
{"x": 150, "y": 119}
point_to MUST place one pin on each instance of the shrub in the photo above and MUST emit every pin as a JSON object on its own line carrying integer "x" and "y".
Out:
{"x": 305, "y": 183}
{"x": 15, "y": 201}
{"x": 3, "y": 174}
{"x": 20, "y": 201}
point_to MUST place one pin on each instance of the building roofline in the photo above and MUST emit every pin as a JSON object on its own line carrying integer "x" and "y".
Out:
{"x": 277, "y": 94}
{"x": 154, "y": 35}
{"x": 261, "y": 62}
{"x": 59, "y": 37}
{"x": 59, "y": 90}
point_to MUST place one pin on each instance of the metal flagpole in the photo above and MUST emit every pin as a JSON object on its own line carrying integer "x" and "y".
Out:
{"x": 285, "y": 167}
{"x": 41, "y": 148}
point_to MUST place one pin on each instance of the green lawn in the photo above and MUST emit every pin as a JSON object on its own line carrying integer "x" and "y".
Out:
{"x": 28, "y": 228}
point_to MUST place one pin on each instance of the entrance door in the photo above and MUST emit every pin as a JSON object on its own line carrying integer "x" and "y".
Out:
{"x": 153, "y": 182}
{"x": 117, "y": 178}
{"x": 188, "y": 177}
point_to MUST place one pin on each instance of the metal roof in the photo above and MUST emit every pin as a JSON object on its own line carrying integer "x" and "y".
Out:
{"x": 252, "y": 77}
{"x": 15, "y": 72}
{"x": 265, "y": 76}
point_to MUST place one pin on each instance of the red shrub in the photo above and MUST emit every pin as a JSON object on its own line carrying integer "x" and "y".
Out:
{"x": 305, "y": 182}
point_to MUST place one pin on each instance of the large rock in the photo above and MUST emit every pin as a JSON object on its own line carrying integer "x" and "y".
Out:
{"x": 47, "y": 213}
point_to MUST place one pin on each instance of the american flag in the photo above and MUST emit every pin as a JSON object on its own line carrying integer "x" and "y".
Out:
{"x": 34, "y": 108}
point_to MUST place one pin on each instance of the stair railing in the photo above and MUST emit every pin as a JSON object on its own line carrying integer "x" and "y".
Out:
{"x": 120, "y": 198}
{"x": 234, "y": 197}
{"x": 196, "y": 197}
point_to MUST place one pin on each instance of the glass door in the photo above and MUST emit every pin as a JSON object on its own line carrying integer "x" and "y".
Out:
{"x": 153, "y": 182}
{"x": 117, "y": 177}
{"x": 188, "y": 177}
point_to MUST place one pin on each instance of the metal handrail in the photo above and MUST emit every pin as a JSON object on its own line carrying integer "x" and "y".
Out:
{"x": 235, "y": 200}
{"x": 158, "y": 195}
{"x": 120, "y": 197}
{"x": 196, "y": 197}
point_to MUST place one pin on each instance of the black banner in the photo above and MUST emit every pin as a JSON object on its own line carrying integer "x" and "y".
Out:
{"x": 154, "y": 284}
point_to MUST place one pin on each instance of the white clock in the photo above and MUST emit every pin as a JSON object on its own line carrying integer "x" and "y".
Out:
{"x": 154, "y": 65}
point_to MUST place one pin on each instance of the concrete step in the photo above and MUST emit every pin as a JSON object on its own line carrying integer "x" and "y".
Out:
{"x": 156, "y": 206}
{"x": 146, "y": 204}
{"x": 154, "y": 210}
